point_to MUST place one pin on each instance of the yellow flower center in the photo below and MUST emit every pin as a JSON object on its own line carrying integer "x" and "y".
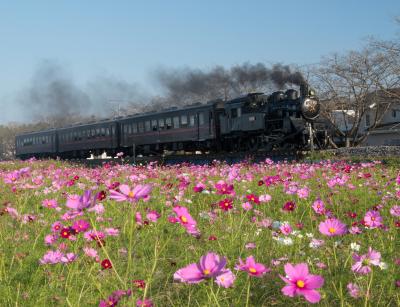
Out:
{"x": 332, "y": 230}
{"x": 300, "y": 284}
{"x": 131, "y": 194}
{"x": 252, "y": 270}
{"x": 206, "y": 272}
{"x": 184, "y": 219}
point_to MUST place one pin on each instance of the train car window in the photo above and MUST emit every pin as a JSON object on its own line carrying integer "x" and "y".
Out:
{"x": 176, "y": 122}
{"x": 134, "y": 127}
{"x": 141, "y": 127}
{"x": 97, "y": 131}
{"x": 168, "y": 123}
{"x": 125, "y": 128}
{"x": 234, "y": 113}
{"x": 103, "y": 132}
{"x": 112, "y": 130}
{"x": 191, "y": 120}
{"x": 239, "y": 112}
{"x": 161, "y": 123}
{"x": 201, "y": 119}
{"x": 290, "y": 113}
{"x": 184, "y": 120}
{"x": 129, "y": 129}
{"x": 154, "y": 126}
{"x": 252, "y": 118}
{"x": 107, "y": 131}
{"x": 147, "y": 125}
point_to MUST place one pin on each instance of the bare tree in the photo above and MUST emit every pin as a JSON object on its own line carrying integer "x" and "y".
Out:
{"x": 356, "y": 84}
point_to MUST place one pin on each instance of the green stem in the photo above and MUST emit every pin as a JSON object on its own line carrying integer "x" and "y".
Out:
{"x": 248, "y": 291}
{"x": 367, "y": 295}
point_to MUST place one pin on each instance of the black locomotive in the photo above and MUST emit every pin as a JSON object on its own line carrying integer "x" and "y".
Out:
{"x": 253, "y": 122}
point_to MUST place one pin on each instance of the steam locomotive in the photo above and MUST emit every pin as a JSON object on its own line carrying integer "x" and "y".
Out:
{"x": 253, "y": 122}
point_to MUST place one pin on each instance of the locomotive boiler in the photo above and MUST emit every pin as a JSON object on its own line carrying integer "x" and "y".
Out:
{"x": 280, "y": 120}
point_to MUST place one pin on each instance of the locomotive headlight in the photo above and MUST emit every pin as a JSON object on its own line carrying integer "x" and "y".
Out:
{"x": 310, "y": 108}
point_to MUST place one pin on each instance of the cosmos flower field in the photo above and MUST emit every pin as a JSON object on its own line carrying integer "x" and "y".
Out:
{"x": 262, "y": 234}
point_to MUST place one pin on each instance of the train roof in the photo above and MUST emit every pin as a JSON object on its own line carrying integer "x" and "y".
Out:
{"x": 33, "y": 133}
{"x": 172, "y": 109}
{"x": 197, "y": 105}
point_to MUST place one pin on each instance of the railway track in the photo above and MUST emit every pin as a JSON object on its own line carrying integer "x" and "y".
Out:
{"x": 229, "y": 158}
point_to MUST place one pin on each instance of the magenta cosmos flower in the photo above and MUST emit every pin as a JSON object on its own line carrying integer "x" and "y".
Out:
{"x": 372, "y": 219}
{"x": 363, "y": 263}
{"x": 186, "y": 220}
{"x": 332, "y": 227}
{"x": 223, "y": 188}
{"x": 126, "y": 194}
{"x": 251, "y": 267}
{"x": 300, "y": 282}
{"x": 210, "y": 266}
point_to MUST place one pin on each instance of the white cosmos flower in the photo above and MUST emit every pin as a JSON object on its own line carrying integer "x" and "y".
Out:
{"x": 355, "y": 247}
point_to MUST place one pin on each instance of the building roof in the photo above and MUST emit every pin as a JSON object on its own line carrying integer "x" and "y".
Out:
{"x": 387, "y": 128}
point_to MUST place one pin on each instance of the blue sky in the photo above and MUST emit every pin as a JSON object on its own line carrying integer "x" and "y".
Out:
{"x": 129, "y": 39}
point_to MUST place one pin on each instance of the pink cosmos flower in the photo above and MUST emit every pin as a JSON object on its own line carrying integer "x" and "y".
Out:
{"x": 251, "y": 267}
{"x": 332, "y": 227}
{"x": 49, "y": 203}
{"x": 247, "y": 206}
{"x": 186, "y": 220}
{"x": 265, "y": 198}
{"x": 199, "y": 187}
{"x": 56, "y": 226}
{"x": 144, "y": 303}
{"x": 138, "y": 218}
{"x": 90, "y": 252}
{"x": 81, "y": 225}
{"x": 354, "y": 290}
{"x": 300, "y": 282}
{"x": 51, "y": 257}
{"x": 69, "y": 257}
{"x": 50, "y": 239}
{"x": 363, "y": 262}
{"x": 98, "y": 209}
{"x": 12, "y": 177}
{"x": 210, "y": 266}
{"x": 12, "y": 212}
{"x": 395, "y": 210}
{"x": 225, "y": 279}
{"x": 153, "y": 216}
{"x": 286, "y": 229}
{"x": 111, "y": 232}
{"x": 250, "y": 245}
{"x": 372, "y": 219}
{"x": 303, "y": 192}
{"x": 126, "y": 194}
{"x": 319, "y": 206}
{"x": 223, "y": 188}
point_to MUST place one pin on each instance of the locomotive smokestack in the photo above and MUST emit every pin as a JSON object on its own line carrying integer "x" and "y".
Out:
{"x": 304, "y": 89}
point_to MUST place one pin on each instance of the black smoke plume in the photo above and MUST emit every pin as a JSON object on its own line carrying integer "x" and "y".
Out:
{"x": 183, "y": 85}
{"x": 54, "y": 97}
